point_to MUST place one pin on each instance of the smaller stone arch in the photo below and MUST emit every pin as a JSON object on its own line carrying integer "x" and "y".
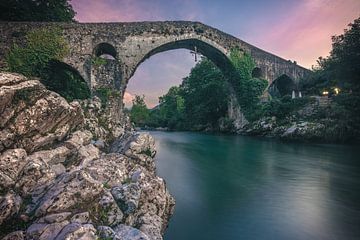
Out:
{"x": 282, "y": 86}
{"x": 105, "y": 50}
{"x": 257, "y": 73}
{"x": 66, "y": 80}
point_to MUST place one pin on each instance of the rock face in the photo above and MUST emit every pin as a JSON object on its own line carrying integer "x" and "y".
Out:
{"x": 56, "y": 181}
{"x": 33, "y": 117}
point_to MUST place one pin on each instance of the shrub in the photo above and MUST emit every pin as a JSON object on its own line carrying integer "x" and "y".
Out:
{"x": 41, "y": 46}
{"x": 41, "y": 57}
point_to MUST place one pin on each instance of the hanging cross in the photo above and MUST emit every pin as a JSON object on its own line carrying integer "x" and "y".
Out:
{"x": 195, "y": 53}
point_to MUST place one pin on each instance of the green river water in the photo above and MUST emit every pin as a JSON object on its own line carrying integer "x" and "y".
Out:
{"x": 236, "y": 187}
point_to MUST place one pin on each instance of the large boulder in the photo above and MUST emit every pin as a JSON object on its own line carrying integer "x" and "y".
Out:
{"x": 57, "y": 181}
{"x": 32, "y": 116}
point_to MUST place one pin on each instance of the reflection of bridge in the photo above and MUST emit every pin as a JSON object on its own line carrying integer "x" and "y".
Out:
{"x": 129, "y": 44}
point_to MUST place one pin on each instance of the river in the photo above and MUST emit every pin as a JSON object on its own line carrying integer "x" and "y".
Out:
{"x": 236, "y": 187}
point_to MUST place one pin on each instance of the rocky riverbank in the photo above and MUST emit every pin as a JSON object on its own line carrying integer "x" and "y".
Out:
{"x": 63, "y": 177}
{"x": 321, "y": 120}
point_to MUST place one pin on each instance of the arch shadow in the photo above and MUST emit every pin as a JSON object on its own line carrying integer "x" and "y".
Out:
{"x": 66, "y": 81}
{"x": 282, "y": 86}
{"x": 105, "y": 50}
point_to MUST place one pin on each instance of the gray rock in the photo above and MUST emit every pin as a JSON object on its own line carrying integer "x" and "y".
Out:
{"x": 9, "y": 206}
{"x": 11, "y": 163}
{"x": 18, "y": 235}
{"x": 75, "y": 231}
{"x": 129, "y": 233}
{"x": 127, "y": 196}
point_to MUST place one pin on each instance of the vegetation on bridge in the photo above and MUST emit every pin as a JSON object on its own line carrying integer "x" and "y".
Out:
{"x": 41, "y": 57}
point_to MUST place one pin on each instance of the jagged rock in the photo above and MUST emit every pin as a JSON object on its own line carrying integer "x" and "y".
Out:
{"x": 67, "y": 192}
{"x": 35, "y": 173}
{"x": 87, "y": 154}
{"x": 53, "y": 156}
{"x": 18, "y": 235}
{"x": 99, "y": 144}
{"x": 77, "y": 231}
{"x": 79, "y": 139}
{"x": 110, "y": 169}
{"x": 38, "y": 116}
{"x": 11, "y": 163}
{"x": 67, "y": 183}
{"x": 106, "y": 128}
{"x": 129, "y": 233}
{"x": 9, "y": 206}
{"x": 127, "y": 196}
{"x": 156, "y": 206}
{"x": 83, "y": 217}
{"x": 304, "y": 131}
{"x": 113, "y": 214}
{"x": 58, "y": 169}
{"x": 53, "y": 218}
{"x": 106, "y": 232}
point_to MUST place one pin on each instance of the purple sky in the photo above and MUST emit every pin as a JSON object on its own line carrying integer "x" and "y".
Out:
{"x": 299, "y": 30}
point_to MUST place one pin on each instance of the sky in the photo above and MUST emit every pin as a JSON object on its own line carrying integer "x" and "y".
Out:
{"x": 299, "y": 30}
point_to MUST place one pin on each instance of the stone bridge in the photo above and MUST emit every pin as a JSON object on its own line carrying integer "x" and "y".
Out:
{"x": 129, "y": 44}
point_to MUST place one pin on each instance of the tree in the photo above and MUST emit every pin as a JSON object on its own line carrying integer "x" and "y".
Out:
{"x": 139, "y": 113}
{"x": 344, "y": 59}
{"x": 205, "y": 93}
{"x": 36, "y": 10}
{"x": 171, "y": 108}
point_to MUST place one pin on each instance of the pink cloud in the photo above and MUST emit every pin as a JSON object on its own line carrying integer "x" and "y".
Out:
{"x": 305, "y": 32}
{"x": 128, "y": 97}
{"x": 104, "y": 11}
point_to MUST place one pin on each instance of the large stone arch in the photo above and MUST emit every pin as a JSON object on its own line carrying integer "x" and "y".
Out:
{"x": 206, "y": 48}
{"x": 217, "y": 54}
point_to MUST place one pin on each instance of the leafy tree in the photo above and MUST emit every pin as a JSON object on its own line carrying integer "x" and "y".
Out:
{"x": 139, "y": 113}
{"x": 36, "y": 10}
{"x": 205, "y": 93}
{"x": 171, "y": 108}
{"x": 344, "y": 59}
{"x": 342, "y": 67}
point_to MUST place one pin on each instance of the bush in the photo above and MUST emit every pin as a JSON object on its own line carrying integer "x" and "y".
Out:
{"x": 283, "y": 107}
{"x": 42, "y": 46}
{"x": 41, "y": 57}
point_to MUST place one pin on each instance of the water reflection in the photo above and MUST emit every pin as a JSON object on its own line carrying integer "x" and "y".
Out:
{"x": 233, "y": 187}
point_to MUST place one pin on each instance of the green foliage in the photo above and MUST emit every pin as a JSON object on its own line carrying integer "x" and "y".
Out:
{"x": 344, "y": 59}
{"x": 205, "y": 93}
{"x": 41, "y": 57}
{"x": 42, "y": 46}
{"x": 248, "y": 89}
{"x": 283, "y": 107}
{"x": 243, "y": 63}
{"x": 171, "y": 109}
{"x": 201, "y": 101}
{"x": 98, "y": 61}
{"x": 342, "y": 67}
{"x": 139, "y": 114}
{"x": 105, "y": 93}
{"x": 36, "y": 10}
